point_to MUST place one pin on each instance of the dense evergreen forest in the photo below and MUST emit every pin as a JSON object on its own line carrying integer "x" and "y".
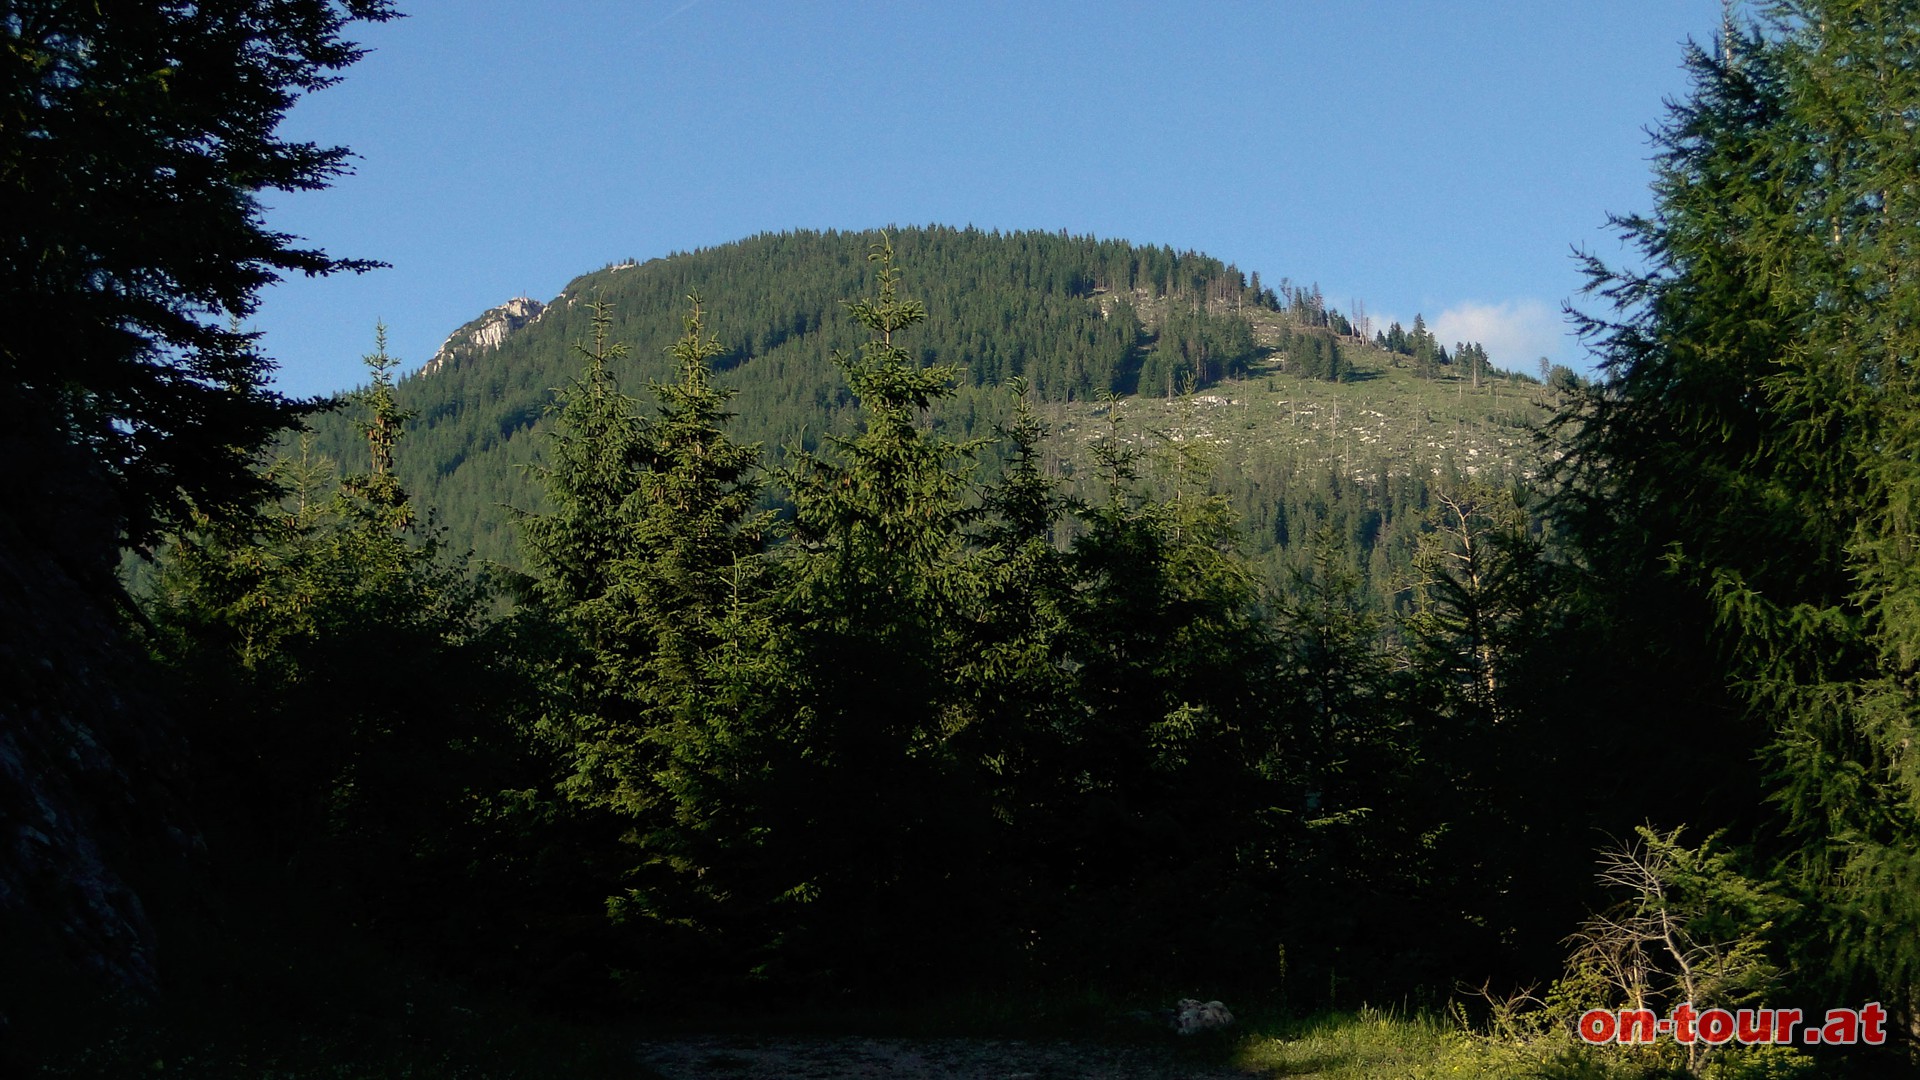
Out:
{"x": 861, "y": 618}
{"x": 1081, "y": 322}
{"x": 1077, "y": 318}
{"x": 863, "y": 729}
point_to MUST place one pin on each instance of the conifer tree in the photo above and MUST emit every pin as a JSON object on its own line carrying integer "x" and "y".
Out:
{"x": 302, "y": 746}
{"x": 579, "y": 552}
{"x": 694, "y": 521}
{"x": 137, "y": 142}
{"x": 881, "y": 578}
{"x": 879, "y": 521}
{"x": 1472, "y": 562}
{"x": 1745, "y": 475}
{"x": 1169, "y": 657}
{"x": 1335, "y": 751}
{"x": 382, "y": 428}
{"x": 596, "y": 454}
{"x": 1019, "y": 692}
{"x": 138, "y": 139}
{"x": 698, "y": 590}
{"x": 666, "y": 700}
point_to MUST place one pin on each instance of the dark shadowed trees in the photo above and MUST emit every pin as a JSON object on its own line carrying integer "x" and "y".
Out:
{"x": 1742, "y": 484}
{"x": 136, "y": 140}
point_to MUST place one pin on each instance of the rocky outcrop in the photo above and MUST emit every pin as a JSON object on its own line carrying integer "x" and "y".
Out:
{"x": 89, "y": 764}
{"x": 486, "y": 333}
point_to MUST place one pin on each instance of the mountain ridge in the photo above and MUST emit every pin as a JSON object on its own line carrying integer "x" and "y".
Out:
{"x": 1079, "y": 318}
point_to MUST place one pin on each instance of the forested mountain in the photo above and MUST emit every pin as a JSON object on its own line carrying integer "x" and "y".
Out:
{"x": 1307, "y": 422}
{"x": 883, "y": 626}
{"x": 799, "y": 713}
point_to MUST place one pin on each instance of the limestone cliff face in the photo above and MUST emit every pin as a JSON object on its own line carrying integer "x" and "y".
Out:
{"x": 485, "y": 333}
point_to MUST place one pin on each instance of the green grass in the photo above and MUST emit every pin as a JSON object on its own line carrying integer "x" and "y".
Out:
{"x": 1369, "y": 1044}
{"x": 450, "y": 1034}
{"x": 1374, "y": 1045}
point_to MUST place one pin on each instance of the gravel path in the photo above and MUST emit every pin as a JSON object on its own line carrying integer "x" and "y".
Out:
{"x": 748, "y": 1058}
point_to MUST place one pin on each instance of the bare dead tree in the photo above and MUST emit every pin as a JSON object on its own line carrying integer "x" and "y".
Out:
{"x": 1650, "y": 950}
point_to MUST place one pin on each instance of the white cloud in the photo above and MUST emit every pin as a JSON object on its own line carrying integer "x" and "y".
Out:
{"x": 1516, "y": 333}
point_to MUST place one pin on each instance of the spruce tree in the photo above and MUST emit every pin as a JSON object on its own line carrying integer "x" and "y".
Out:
{"x": 694, "y": 521}
{"x": 698, "y": 593}
{"x": 1334, "y": 751}
{"x": 580, "y": 553}
{"x": 1745, "y": 474}
{"x": 302, "y": 749}
{"x": 596, "y": 453}
{"x": 137, "y": 142}
{"x": 881, "y": 576}
{"x": 1169, "y": 658}
{"x": 1015, "y": 677}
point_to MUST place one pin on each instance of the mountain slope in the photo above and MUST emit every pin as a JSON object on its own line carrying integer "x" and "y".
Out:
{"x": 1079, "y": 318}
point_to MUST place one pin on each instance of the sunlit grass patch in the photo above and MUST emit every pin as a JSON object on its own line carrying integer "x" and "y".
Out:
{"x": 1375, "y": 1045}
{"x": 1370, "y": 1045}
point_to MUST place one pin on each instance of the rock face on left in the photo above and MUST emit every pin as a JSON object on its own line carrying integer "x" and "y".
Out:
{"x": 485, "y": 333}
{"x": 90, "y": 767}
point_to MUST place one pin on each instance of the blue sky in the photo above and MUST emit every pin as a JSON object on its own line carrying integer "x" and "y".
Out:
{"x": 1441, "y": 158}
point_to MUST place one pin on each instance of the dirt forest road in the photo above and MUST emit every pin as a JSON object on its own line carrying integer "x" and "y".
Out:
{"x": 853, "y": 1058}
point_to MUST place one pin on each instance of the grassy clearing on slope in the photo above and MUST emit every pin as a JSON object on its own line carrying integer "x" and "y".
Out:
{"x": 1384, "y": 417}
